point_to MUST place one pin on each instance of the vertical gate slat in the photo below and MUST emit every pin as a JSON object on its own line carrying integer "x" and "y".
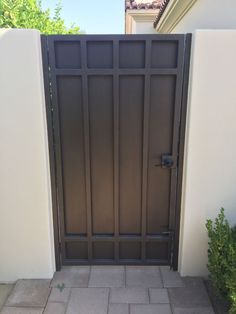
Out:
{"x": 175, "y": 139}
{"x": 57, "y": 148}
{"x": 145, "y": 146}
{"x": 116, "y": 144}
{"x": 186, "y": 66}
{"x": 175, "y": 142}
{"x": 87, "y": 146}
{"x": 52, "y": 156}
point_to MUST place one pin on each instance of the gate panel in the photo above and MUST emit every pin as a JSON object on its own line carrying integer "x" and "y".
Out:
{"x": 131, "y": 126}
{"x": 72, "y": 152}
{"x": 162, "y": 103}
{"x": 116, "y": 112}
{"x": 100, "y": 91}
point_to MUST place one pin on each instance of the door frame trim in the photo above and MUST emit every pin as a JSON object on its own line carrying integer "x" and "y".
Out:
{"x": 51, "y": 148}
{"x": 182, "y": 132}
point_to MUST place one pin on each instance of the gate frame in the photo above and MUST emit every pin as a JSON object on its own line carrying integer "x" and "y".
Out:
{"x": 52, "y": 152}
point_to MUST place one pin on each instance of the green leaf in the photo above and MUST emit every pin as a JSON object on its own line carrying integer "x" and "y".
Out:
{"x": 29, "y": 14}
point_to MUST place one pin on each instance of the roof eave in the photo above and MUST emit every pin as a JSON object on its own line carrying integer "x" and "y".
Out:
{"x": 172, "y": 15}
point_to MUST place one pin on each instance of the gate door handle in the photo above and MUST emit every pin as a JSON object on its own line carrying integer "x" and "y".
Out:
{"x": 167, "y": 161}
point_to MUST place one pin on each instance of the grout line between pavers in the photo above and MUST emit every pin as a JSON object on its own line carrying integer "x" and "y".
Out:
{"x": 89, "y": 276}
{"x": 149, "y": 296}
{"x": 47, "y": 298}
{"x": 171, "y": 305}
{"x": 162, "y": 280}
{"x": 125, "y": 274}
{"x": 67, "y": 303}
{"x": 108, "y": 301}
{"x": 5, "y": 301}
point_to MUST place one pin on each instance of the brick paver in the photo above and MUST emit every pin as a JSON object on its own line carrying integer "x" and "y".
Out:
{"x": 29, "y": 293}
{"x": 72, "y": 277}
{"x": 118, "y": 309}
{"x": 107, "y": 276}
{"x": 129, "y": 295}
{"x": 5, "y": 290}
{"x": 55, "y": 308}
{"x": 193, "y": 295}
{"x": 88, "y": 301}
{"x": 143, "y": 276}
{"x": 159, "y": 295}
{"x": 171, "y": 279}
{"x": 21, "y": 310}
{"x": 200, "y": 310}
{"x": 110, "y": 290}
{"x": 59, "y": 295}
{"x": 150, "y": 309}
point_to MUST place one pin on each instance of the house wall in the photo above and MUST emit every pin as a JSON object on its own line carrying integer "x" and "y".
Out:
{"x": 140, "y": 21}
{"x": 210, "y": 152}
{"x": 143, "y": 28}
{"x": 208, "y": 14}
{"x": 26, "y": 238}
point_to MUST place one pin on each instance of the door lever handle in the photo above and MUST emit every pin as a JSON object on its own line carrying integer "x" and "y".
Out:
{"x": 167, "y": 161}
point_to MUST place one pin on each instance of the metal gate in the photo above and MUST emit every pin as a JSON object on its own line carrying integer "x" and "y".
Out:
{"x": 115, "y": 106}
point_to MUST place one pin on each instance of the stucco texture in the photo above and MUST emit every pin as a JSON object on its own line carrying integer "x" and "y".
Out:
{"x": 26, "y": 241}
{"x": 210, "y": 152}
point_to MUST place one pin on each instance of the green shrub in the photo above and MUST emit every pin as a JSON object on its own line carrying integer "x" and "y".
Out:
{"x": 222, "y": 258}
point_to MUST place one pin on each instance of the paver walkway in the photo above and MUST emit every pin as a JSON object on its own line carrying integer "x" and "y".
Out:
{"x": 110, "y": 290}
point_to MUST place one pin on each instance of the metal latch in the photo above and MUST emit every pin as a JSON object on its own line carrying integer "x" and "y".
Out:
{"x": 167, "y": 161}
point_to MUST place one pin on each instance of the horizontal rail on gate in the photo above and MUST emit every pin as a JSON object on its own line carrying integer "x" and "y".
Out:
{"x": 72, "y": 72}
{"x": 140, "y": 37}
{"x": 159, "y": 262}
{"x": 71, "y": 238}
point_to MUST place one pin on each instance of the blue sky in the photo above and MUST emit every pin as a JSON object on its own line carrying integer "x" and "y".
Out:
{"x": 93, "y": 16}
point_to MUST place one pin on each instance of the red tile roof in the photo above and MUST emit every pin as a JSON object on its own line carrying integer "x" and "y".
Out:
{"x": 133, "y": 5}
{"x": 158, "y": 4}
{"x": 160, "y": 13}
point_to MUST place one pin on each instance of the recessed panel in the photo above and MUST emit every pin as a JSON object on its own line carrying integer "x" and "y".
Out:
{"x": 131, "y": 143}
{"x": 99, "y": 54}
{"x": 68, "y": 55}
{"x": 76, "y": 250}
{"x": 132, "y": 54}
{"x": 162, "y": 105}
{"x": 130, "y": 250}
{"x": 72, "y": 150}
{"x": 164, "y": 54}
{"x": 157, "y": 251}
{"x": 103, "y": 250}
{"x": 101, "y": 153}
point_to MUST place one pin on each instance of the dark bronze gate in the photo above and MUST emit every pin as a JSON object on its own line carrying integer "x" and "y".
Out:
{"x": 116, "y": 104}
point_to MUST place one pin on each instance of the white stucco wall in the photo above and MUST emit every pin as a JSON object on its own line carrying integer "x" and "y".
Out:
{"x": 143, "y": 28}
{"x": 210, "y": 152}
{"x": 208, "y": 14}
{"x": 26, "y": 246}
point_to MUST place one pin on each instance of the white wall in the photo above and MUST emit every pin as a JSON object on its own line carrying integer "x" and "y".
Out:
{"x": 208, "y": 14}
{"x": 140, "y": 21}
{"x": 26, "y": 240}
{"x": 144, "y": 28}
{"x": 210, "y": 152}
